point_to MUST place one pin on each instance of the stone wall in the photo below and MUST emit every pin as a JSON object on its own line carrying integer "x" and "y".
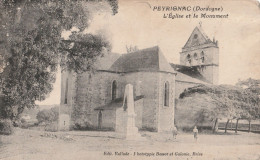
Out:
{"x": 94, "y": 91}
{"x": 211, "y": 61}
{"x": 68, "y": 80}
{"x": 64, "y": 122}
{"x": 166, "y": 113}
{"x": 108, "y": 119}
{"x": 211, "y": 55}
{"x": 148, "y": 86}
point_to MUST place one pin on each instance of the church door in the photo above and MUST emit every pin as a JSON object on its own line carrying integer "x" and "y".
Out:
{"x": 99, "y": 119}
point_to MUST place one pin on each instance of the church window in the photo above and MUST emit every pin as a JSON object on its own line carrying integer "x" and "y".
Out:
{"x": 189, "y": 59}
{"x": 195, "y": 57}
{"x": 114, "y": 88}
{"x": 166, "y": 94}
{"x": 202, "y": 57}
{"x": 66, "y": 92}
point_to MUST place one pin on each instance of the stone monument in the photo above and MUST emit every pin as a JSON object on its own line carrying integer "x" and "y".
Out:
{"x": 131, "y": 132}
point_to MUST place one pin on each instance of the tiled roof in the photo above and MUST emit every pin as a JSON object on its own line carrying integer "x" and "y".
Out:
{"x": 117, "y": 103}
{"x": 149, "y": 59}
{"x": 185, "y": 78}
{"x": 104, "y": 63}
{"x": 189, "y": 73}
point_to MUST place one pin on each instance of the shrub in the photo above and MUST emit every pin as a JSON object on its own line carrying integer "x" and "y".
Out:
{"x": 48, "y": 115}
{"x": 6, "y": 127}
{"x": 51, "y": 127}
{"x": 82, "y": 124}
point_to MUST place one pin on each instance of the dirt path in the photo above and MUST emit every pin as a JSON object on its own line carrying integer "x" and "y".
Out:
{"x": 87, "y": 145}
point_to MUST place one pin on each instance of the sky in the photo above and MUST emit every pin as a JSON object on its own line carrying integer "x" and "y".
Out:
{"x": 138, "y": 24}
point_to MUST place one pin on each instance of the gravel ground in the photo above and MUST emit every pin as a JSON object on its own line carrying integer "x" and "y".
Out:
{"x": 88, "y": 145}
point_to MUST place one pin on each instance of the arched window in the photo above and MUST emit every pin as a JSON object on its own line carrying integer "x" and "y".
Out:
{"x": 114, "y": 88}
{"x": 202, "y": 57}
{"x": 195, "y": 57}
{"x": 188, "y": 58}
{"x": 166, "y": 94}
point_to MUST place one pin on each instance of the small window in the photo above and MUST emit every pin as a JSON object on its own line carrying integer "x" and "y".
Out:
{"x": 188, "y": 59}
{"x": 195, "y": 36}
{"x": 166, "y": 94}
{"x": 202, "y": 57}
{"x": 114, "y": 88}
{"x": 195, "y": 56}
{"x": 66, "y": 92}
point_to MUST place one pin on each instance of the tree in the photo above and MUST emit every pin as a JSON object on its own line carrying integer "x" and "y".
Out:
{"x": 223, "y": 101}
{"x": 48, "y": 115}
{"x": 32, "y": 47}
{"x": 252, "y": 85}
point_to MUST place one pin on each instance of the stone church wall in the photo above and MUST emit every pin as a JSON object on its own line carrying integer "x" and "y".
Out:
{"x": 166, "y": 113}
{"x": 68, "y": 82}
{"x": 96, "y": 90}
{"x": 108, "y": 119}
{"x": 93, "y": 92}
{"x": 211, "y": 61}
{"x": 148, "y": 82}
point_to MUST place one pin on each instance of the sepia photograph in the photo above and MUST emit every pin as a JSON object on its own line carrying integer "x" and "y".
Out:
{"x": 129, "y": 79}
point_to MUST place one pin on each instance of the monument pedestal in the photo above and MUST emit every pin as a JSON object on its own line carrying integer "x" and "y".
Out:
{"x": 131, "y": 131}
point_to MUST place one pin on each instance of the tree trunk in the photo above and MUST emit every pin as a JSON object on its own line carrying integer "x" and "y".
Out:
{"x": 236, "y": 126}
{"x": 249, "y": 128}
{"x": 215, "y": 128}
{"x": 226, "y": 126}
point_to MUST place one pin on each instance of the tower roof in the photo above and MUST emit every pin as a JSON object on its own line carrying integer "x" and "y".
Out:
{"x": 149, "y": 59}
{"x": 197, "y": 37}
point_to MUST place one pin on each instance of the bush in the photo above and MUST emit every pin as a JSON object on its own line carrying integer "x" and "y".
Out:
{"x": 52, "y": 127}
{"x": 80, "y": 124}
{"x": 6, "y": 127}
{"x": 48, "y": 115}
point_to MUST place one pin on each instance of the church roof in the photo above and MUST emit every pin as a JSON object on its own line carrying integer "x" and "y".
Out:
{"x": 189, "y": 74}
{"x": 117, "y": 103}
{"x": 197, "y": 37}
{"x": 149, "y": 59}
{"x": 105, "y": 62}
{"x": 185, "y": 78}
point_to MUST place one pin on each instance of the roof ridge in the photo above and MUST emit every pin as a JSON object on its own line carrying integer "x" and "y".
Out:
{"x": 192, "y": 79}
{"x": 144, "y": 59}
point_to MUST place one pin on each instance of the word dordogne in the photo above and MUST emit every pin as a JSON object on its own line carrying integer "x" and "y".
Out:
{"x": 186, "y": 8}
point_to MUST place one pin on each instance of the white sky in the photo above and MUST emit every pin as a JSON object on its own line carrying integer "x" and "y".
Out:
{"x": 137, "y": 24}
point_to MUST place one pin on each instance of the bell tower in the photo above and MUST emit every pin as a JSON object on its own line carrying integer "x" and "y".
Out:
{"x": 202, "y": 54}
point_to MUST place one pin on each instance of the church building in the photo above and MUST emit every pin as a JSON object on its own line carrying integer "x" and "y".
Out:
{"x": 96, "y": 100}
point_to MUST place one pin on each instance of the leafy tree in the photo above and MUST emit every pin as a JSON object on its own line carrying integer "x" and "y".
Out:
{"x": 252, "y": 85}
{"x": 48, "y": 115}
{"x": 224, "y": 101}
{"x": 32, "y": 47}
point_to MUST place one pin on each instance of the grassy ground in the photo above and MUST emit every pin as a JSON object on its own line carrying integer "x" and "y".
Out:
{"x": 87, "y": 145}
